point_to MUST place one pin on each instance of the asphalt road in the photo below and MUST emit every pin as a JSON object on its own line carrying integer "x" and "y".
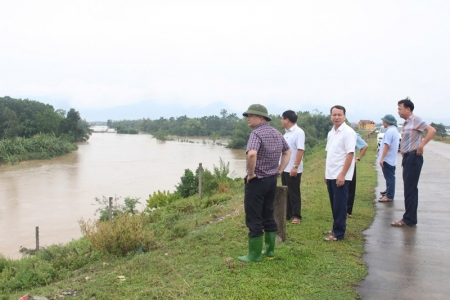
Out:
{"x": 412, "y": 262}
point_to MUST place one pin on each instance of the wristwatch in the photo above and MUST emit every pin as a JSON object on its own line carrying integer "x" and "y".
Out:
{"x": 295, "y": 166}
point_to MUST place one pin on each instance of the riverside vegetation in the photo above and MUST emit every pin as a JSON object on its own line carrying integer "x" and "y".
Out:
{"x": 181, "y": 247}
{"x": 34, "y": 130}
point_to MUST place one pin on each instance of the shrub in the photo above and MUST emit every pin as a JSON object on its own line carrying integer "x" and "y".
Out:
{"x": 215, "y": 199}
{"x": 122, "y": 235}
{"x": 188, "y": 185}
{"x": 70, "y": 257}
{"x": 117, "y": 208}
{"x": 161, "y": 199}
{"x": 184, "y": 206}
{"x": 209, "y": 182}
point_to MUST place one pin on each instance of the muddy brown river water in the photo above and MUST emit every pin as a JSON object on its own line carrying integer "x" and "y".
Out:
{"x": 54, "y": 194}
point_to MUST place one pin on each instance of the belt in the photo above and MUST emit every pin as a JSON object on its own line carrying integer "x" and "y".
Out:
{"x": 409, "y": 153}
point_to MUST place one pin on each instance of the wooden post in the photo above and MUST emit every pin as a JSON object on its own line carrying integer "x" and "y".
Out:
{"x": 200, "y": 171}
{"x": 37, "y": 238}
{"x": 110, "y": 208}
{"x": 280, "y": 211}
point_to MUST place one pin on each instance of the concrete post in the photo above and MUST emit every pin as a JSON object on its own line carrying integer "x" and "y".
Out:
{"x": 200, "y": 173}
{"x": 37, "y": 238}
{"x": 110, "y": 208}
{"x": 280, "y": 211}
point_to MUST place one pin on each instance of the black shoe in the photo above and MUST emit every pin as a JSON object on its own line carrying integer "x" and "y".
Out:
{"x": 383, "y": 193}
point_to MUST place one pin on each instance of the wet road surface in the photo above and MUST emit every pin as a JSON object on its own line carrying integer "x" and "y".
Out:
{"x": 412, "y": 262}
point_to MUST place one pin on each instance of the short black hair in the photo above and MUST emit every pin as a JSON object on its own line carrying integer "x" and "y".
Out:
{"x": 290, "y": 115}
{"x": 407, "y": 103}
{"x": 338, "y": 107}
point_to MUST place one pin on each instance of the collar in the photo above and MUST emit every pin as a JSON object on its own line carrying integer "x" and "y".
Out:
{"x": 261, "y": 125}
{"x": 410, "y": 118}
{"x": 293, "y": 127}
{"x": 340, "y": 128}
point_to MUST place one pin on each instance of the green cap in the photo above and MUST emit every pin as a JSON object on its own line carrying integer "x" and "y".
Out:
{"x": 257, "y": 109}
{"x": 390, "y": 119}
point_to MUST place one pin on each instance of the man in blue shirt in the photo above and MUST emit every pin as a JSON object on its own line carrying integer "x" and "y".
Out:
{"x": 362, "y": 146}
{"x": 387, "y": 156}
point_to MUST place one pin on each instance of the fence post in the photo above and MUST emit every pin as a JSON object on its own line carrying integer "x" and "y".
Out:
{"x": 110, "y": 208}
{"x": 200, "y": 171}
{"x": 280, "y": 211}
{"x": 37, "y": 238}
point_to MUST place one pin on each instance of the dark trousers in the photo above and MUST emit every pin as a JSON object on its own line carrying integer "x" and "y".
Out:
{"x": 294, "y": 197}
{"x": 412, "y": 166}
{"x": 338, "y": 201}
{"x": 389, "y": 176}
{"x": 258, "y": 205}
{"x": 351, "y": 193}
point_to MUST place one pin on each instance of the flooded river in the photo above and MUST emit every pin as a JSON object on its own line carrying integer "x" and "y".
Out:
{"x": 54, "y": 194}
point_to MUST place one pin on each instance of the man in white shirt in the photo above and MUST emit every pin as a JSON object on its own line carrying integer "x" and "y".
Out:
{"x": 341, "y": 143}
{"x": 292, "y": 174}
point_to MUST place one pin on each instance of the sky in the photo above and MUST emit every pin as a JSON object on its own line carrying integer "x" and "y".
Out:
{"x": 142, "y": 58}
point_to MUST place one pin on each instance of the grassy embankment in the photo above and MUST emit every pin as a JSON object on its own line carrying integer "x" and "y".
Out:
{"x": 195, "y": 255}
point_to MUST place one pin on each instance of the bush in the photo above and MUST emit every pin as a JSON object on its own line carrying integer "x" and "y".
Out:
{"x": 161, "y": 199}
{"x": 122, "y": 235}
{"x": 70, "y": 257}
{"x": 215, "y": 199}
{"x": 188, "y": 185}
{"x": 184, "y": 206}
{"x": 117, "y": 208}
{"x": 45, "y": 266}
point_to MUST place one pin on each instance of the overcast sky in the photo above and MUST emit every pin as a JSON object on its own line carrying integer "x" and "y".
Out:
{"x": 365, "y": 55}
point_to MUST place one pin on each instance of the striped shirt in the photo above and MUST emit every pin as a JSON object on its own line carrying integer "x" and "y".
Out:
{"x": 412, "y": 131}
{"x": 269, "y": 144}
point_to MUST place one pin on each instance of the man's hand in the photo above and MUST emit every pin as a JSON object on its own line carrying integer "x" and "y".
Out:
{"x": 419, "y": 151}
{"x": 250, "y": 177}
{"x": 340, "y": 180}
{"x": 293, "y": 172}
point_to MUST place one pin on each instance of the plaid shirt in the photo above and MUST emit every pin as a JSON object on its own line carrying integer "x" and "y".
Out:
{"x": 412, "y": 131}
{"x": 269, "y": 143}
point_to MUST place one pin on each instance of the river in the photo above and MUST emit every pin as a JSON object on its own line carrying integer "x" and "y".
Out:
{"x": 54, "y": 194}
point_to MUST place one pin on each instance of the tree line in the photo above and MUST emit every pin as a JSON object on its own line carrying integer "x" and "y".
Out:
{"x": 315, "y": 124}
{"x": 34, "y": 130}
{"x": 27, "y": 118}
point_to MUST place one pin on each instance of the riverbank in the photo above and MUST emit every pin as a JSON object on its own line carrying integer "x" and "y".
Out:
{"x": 201, "y": 261}
{"x": 40, "y": 146}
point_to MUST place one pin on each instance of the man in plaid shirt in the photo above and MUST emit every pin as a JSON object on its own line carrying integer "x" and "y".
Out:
{"x": 264, "y": 148}
{"x": 411, "y": 147}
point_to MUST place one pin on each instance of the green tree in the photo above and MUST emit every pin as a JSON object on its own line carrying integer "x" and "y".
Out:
{"x": 440, "y": 129}
{"x": 240, "y": 135}
{"x": 74, "y": 128}
{"x": 9, "y": 123}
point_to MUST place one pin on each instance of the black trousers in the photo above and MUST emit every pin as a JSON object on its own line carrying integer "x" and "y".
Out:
{"x": 258, "y": 205}
{"x": 338, "y": 201}
{"x": 412, "y": 166}
{"x": 351, "y": 193}
{"x": 294, "y": 197}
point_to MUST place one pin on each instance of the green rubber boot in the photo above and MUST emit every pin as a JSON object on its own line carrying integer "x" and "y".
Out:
{"x": 254, "y": 250}
{"x": 270, "y": 238}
